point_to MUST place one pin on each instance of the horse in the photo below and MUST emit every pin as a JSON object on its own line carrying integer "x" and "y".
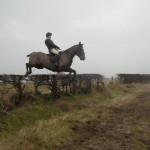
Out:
{"x": 41, "y": 60}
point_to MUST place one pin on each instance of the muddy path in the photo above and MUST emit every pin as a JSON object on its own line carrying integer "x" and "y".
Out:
{"x": 124, "y": 126}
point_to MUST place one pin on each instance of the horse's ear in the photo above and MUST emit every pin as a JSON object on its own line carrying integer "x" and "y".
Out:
{"x": 80, "y": 43}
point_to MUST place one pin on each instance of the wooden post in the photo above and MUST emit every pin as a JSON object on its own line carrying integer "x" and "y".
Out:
{"x": 55, "y": 92}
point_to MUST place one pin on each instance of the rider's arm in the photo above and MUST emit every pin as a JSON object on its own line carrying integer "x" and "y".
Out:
{"x": 51, "y": 43}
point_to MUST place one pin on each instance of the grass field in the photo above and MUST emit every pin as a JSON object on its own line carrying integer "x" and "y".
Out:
{"x": 42, "y": 123}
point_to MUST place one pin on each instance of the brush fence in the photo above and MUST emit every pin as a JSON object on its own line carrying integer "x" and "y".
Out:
{"x": 134, "y": 78}
{"x": 57, "y": 84}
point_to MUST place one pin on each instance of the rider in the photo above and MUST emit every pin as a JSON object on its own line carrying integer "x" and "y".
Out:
{"x": 52, "y": 47}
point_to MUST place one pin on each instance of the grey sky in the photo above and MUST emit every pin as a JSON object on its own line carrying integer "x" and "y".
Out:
{"x": 115, "y": 33}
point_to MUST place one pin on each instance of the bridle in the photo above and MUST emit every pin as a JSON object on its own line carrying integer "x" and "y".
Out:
{"x": 79, "y": 52}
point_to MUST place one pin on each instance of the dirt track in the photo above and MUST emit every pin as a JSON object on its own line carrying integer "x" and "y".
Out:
{"x": 124, "y": 125}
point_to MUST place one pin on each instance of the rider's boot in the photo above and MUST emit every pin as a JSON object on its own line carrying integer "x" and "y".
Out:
{"x": 57, "y": 61}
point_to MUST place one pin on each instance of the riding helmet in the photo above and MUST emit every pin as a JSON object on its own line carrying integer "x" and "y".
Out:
{"x": 48, "y": 34}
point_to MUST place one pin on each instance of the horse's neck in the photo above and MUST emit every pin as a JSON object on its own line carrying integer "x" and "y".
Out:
{"x": 68, "y": 55}
{"x": 71, "y": 51}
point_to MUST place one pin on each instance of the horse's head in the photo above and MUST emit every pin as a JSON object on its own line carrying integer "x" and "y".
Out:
{"x": 80, "y": 52}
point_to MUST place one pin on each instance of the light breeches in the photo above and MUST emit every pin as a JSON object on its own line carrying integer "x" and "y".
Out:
{"x": 54, "y": 51}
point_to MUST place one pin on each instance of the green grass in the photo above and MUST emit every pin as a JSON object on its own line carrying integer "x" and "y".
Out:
{"x": 25, "y": 116}
{"x": 112, "y": 91}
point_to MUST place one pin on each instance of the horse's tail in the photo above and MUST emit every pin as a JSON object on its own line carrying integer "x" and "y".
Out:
{"x": 30, "y": 54}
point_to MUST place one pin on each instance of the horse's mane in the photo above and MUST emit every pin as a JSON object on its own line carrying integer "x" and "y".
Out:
{"x": 71, "y": 48}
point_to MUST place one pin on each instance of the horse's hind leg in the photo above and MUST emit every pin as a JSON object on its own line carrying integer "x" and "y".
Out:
{"x": 30, "y": 70}
{"x": 28, "y": 67}
{"x": 26, "y": 74}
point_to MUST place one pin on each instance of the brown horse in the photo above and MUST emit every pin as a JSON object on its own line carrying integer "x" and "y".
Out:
{"x": 41, "y": 60}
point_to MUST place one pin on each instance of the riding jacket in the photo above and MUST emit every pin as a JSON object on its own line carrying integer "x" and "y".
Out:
{"x": 50, "y": 44}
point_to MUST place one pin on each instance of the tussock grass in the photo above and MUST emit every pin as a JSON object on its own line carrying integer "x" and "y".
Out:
{"x": 44, "y": 134}
{"x": 25, "y": 116}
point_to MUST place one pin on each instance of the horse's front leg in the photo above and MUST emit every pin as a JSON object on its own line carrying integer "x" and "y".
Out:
{"x": 74, "y": 73}
{"x": 70, "y": 71}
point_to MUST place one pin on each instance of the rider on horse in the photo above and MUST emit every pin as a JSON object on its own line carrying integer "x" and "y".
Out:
{"x": 52, "y": 47}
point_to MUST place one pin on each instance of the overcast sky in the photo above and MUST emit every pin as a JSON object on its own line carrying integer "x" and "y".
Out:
{"x": 115, "y": 33}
